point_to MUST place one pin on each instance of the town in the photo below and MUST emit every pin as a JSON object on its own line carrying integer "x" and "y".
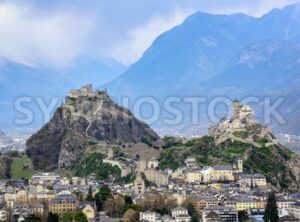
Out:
{"x": 147, "y": 192}
{"x": 190, "y": 193}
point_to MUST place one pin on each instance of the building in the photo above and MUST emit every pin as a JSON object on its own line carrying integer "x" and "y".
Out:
{"x": 64, "y": 203}
{"x": 190, "y": 161}
{"x": 256, "y": 214}
{"x": 89, "y": 209}
{"x": 193, "y": 176}
{"x": 207, "y": 173}
{"x": 284, "y": 204}
{"x": 33, "y": 208}
{"x": 180, "y": 214}
{"x": 42, "y": 178}
{"x": 78, "y": 181}
{"x": 242, "y": 117}
{"x": 160, "y": 178}
{"x": 252, "y": 180}
{"x": 223, "y": 173}
{"x": 200, "y": 202}
{"x": 149, "y": 216}
{"x": 139, "y": 184}
{"x": 239, "y": 125}
{"x": 142, "y": 165}
{"x": 214, "y": 214}
{"x": 85, "y": 91}
{"x": 294, "y": 210}
{"x": 183, "y": 218}
{"x": 43, "y": 194}
{"x": 179, "y": 211}
{"x": 152, "y": 163}
{"x": 244, "y": 203}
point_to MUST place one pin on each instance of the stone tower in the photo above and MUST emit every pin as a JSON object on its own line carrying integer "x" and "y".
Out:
{"x": 139, "y": 184}
{"x": 240, "y": 165}
{"x": 236, "y": 109}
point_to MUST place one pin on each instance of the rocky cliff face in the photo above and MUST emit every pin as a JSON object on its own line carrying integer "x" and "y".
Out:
{"x": 82, "y": 122}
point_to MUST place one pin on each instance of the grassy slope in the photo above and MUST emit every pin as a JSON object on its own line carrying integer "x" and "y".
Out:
{"x": 21, "y": 168}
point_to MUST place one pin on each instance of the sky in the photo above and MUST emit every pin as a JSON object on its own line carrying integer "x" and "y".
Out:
{"x": 54, "y": 32}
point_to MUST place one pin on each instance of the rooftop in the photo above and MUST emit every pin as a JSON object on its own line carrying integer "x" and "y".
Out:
{"x": 222, "y": 167}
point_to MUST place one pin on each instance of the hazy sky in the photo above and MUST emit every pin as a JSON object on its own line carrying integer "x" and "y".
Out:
{"x": 54, "y": 32}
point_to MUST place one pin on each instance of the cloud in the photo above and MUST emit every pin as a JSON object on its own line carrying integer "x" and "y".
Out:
{"x": 34, "y": 37}
{"x": 55, "y": 32}
{"x": 139, "y": 38}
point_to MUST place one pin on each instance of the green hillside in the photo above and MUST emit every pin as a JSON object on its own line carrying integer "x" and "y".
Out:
{"x": 275, "y": 162}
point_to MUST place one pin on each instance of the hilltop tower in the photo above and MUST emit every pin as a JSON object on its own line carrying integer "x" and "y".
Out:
{"x": 236, "y": 108}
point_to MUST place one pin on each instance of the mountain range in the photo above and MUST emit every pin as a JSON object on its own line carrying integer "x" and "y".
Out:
{"x": 222, "y": 55}
{"x": 208, "y": 55}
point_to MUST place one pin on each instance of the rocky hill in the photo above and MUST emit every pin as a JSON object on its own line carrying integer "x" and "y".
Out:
{"x": 280, "y": 166}
{"x": 239, "y": 137}
{"x": 86, "y": 120}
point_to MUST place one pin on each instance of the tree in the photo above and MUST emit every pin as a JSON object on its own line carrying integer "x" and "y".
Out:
{"x": 243, "y": 215}
{"x": 109, "y": 206}
{"x": 67, "y": 217}
{"x": 191, "y": 209}
{"x": 102, "y": 196}
{"x": 192, "y": 212}
{"x": 195, "y": 217}
{"x": 50, "y": 187}
{"x": 80, "y": 217}
{"x": 131, "y": 215}
{"x": 90, "y": 197}
{"x": 32, "y": 218}
{"x": 52, "y": 217}
{"x": 119, "y": 204}
{"x": 128, "y": 200}
{"x": 271, "y": 211}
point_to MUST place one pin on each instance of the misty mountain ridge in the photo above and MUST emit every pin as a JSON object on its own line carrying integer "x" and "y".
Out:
{"x": 221, "y": 55}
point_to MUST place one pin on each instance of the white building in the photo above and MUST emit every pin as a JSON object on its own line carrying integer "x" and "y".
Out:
{"x": 179, "y": 211}
{"x": 149, "y": 216}
{"x": 181, "y": 214}
{"x": 207, "y": 173}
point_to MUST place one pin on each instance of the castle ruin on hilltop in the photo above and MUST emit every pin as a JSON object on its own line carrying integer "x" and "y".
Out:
{"x": 243, "y": 117}
{"x": 241, "y": 126}
{"x": 85, "y": 91}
